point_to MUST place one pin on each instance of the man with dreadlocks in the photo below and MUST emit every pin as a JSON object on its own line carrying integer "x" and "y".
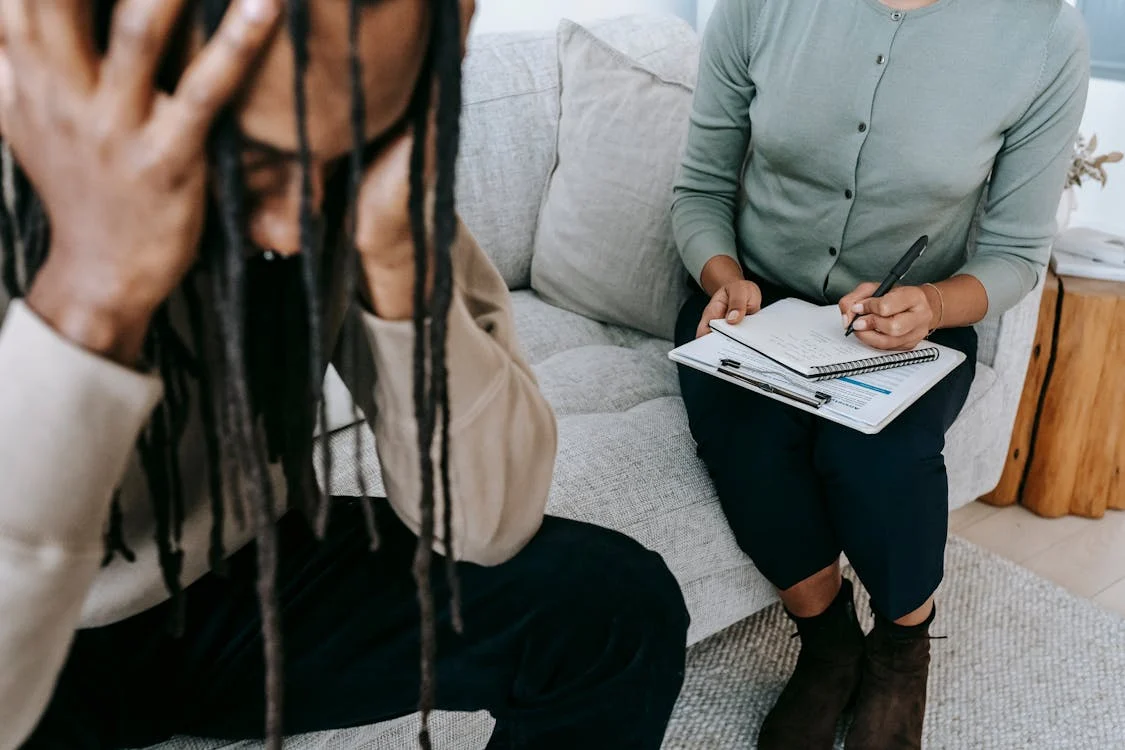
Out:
{"x": 200, "y": 199}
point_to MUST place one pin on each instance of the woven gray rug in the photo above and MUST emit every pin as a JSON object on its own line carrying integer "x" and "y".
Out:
{"x": 1027, "y": 666}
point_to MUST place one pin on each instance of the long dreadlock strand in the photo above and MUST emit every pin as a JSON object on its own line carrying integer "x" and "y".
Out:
{"x": 36, "y": 236}
{"x": 225, "y": 146}
{"x": 354, "y": 334}
{"x": 9, "y": 256}
{"x": 423, "y": 404}
{"x": 251, "y": 459}
{"x": 298, "y": 24}
{"x": 115, "y": 543}
{"x": 151, "y": 448}
{"x": 175, "y": 362}
{"x": 208, "y": 410}
{"x": 448, "y": 75}
{"x": 14, "y": 280}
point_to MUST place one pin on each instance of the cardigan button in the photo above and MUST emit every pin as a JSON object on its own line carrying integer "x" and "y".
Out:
{"x": 880, "y": 59}
{"x": 863, "y": 127}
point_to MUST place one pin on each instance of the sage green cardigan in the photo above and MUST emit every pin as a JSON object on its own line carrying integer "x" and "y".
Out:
{"x": 866, "y": 127}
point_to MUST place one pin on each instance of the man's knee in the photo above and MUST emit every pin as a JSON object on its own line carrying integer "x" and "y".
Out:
{"x": 610, "y": 575}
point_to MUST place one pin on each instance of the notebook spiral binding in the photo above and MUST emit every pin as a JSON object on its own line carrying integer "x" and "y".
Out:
{"x": 875, "y": 364}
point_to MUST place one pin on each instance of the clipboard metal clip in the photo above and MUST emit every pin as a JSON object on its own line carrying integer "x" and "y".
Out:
{"x": 733, "y": 368}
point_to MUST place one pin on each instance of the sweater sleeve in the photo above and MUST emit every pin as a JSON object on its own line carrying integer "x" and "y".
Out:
{"x": 1014, "y": 241}
{"x": 502, "y": 431}
{"x": 68, "y": 423}
{"x": 706, "y": 191}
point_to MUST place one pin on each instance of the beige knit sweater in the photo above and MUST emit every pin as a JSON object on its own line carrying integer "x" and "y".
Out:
{"x": 69, "y": 422}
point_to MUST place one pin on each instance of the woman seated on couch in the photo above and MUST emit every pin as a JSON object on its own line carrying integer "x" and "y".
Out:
{"x": 851, "y": 128}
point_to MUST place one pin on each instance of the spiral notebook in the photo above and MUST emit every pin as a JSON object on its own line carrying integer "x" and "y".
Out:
{"x": 809, "y": 340}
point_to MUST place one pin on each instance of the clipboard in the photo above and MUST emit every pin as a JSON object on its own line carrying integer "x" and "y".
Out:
{"x": 737, "y": 368}
{"x": 812, "y": 399}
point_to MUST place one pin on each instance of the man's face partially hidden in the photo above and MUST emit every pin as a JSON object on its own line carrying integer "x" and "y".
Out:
{"x": 393, "y": 40}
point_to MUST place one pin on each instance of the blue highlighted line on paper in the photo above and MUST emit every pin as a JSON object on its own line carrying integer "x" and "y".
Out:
{"x": 868, "y": 386}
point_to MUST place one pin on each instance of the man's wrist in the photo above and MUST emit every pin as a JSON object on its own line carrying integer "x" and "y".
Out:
{"x": 105, "y": 330}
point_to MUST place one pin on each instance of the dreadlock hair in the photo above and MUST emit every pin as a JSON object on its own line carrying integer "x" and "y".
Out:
{"x": 250, "y": 419}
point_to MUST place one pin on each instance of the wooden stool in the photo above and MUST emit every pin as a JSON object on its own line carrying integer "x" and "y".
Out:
{"x": 1068, "y": 449}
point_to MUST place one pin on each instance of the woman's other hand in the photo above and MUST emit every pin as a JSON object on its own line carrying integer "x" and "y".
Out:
{"x": 899, "y": 320}
{"x": 732, "y": 296}
{"x": 120, "y": 167}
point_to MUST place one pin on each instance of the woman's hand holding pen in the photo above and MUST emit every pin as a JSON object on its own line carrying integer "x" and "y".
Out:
{"x": 732, "y": 296}
{"x": 899, "y": 320}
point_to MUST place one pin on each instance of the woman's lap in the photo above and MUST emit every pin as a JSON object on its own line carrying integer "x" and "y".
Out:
{"x": 798, "y": 490}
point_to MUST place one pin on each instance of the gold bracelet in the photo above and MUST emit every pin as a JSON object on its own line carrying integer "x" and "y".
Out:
{"x": 941, "y": 307}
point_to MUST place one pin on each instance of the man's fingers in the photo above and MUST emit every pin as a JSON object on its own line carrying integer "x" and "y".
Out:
{"x": 15, "y": 22}
{"x": 54, "y": 35}
{"x": 138, "y": 38}
{"x": 219, "y": 69}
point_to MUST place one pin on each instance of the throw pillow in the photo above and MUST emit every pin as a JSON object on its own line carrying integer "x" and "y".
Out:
{"x": 604, "y": 244}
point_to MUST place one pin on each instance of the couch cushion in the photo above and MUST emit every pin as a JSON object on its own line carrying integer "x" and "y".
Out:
{"x": 509, "y": 123}
{"x": 604, "y": 247}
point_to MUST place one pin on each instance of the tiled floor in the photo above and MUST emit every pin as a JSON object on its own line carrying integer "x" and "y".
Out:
{"x": 1084, "y": 555}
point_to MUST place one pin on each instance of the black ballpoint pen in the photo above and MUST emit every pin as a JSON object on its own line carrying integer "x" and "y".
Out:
{"x": 901, "y": 269}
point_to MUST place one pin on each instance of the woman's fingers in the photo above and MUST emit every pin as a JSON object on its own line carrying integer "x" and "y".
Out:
{"x": 138, "y": 38}
{"x": 715, "y": 310}
{"x": 744, "y": 299}
{"x": 895, "y": 303}
{"x": 848, "y": 301}
{"x": 882, "y": 341}
{"x": 218, "y": 71}
{"x": 892, "y": 325}
{"x": 860, "y": 293}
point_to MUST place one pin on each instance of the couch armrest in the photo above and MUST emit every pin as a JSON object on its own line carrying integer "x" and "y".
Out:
{"x": 1005, "y": 346}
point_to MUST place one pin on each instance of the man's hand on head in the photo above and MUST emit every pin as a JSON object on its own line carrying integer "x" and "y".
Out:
{"x": 384, "y": 236}
{"x": 120, "y": 167}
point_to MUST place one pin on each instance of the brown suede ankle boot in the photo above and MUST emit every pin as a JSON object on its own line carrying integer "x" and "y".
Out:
{"x": 824, "y": 682}
{"x": 891, "y": 707}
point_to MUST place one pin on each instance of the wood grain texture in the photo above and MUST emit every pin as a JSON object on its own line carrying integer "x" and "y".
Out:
{"x": 1079, "y": 452}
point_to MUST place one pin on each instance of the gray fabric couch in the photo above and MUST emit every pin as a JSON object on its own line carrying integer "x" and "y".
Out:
{"x": 626, "y": 459}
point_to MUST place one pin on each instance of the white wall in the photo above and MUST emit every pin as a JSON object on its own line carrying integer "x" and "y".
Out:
{"x": 1105, "y": 116}
{"x": 519, "y": 15}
